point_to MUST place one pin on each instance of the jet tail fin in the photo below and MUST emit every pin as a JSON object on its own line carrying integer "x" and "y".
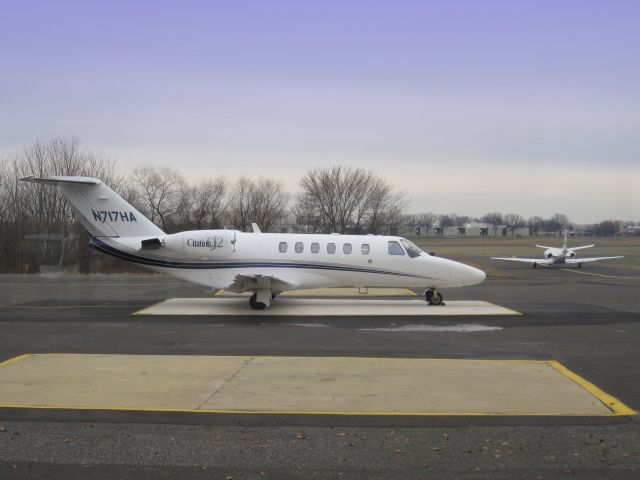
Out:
{"x": 101, "y": 211}
{"x": 564, "y": 244}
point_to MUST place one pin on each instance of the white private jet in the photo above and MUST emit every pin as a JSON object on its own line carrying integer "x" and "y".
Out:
{"x": 554, "y": 255}
{"x": 265, "y": 264}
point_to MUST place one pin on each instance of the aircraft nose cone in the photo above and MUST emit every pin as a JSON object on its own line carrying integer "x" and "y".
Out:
{"x": 450, "y": 273}
{"x": 475, "y": 275}
{"x": 467, "y": 275}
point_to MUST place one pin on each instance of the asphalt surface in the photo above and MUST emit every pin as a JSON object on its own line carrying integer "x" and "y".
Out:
{"x": 587, "y": 319}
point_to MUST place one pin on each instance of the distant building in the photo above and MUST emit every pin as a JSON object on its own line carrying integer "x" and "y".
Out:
{"x": 469, "y": 229}
{"x": 630, "y": 229}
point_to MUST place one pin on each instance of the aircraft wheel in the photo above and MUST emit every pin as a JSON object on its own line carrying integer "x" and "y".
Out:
{"x": 433, "y": 297}
{"x": 255, "y": 304}
{"x": 579, "y": 264}
{"x": 535, "y": 265}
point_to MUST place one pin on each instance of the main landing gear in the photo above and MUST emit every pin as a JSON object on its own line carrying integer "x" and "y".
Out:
{"x": 255, "y": 304}
{"x": 263, "y": 296}
{"x": 433, "y": 297}
{"x": 260, "y": 305}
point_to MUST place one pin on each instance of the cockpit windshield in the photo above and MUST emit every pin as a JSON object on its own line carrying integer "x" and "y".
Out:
{"x": 411, "y": 248}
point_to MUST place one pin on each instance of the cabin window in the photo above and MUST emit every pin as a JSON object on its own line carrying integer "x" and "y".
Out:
{"x": 283, "y": 247}
{"x": 299, "y": 247}
{"x": 365, "y": 249}
{"x": 315, "y": 247}
{"x": 331, "y": 248}
{"x": 346, "y": 248}
{"x": 395, "y": 248}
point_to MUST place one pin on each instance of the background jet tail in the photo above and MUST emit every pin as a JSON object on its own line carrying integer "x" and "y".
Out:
{"x": 564, "y": 244}
{"x": 100, "y": 210}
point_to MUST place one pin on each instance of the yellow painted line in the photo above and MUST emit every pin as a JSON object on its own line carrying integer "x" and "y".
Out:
{"x": 612, "y": 403}
{"x": 410, "y": 292}
{"x": 309, "y": 412}
{"x": 219, "y": 292}
{"x": 339, "y": 357}
{"x": 14, "y": 359}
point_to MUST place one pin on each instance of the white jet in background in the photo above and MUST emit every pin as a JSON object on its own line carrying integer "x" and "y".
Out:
{"x": 555, "y": 255}
{"x": 265, "y": 264}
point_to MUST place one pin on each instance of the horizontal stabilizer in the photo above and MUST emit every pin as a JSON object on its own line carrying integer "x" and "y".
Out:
{"x": 60, "y": 180}
{"x": 580, "y": 248}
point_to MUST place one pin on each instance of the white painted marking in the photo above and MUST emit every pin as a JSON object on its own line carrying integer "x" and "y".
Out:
{"x": 322, "y": 307}
{"x": 463, "y": 327}
{"x": 311, "y": 325}
{"x": 593, "y": 274}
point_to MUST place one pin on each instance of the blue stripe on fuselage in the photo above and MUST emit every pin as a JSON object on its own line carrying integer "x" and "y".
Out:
{"x": 155, "y": 262}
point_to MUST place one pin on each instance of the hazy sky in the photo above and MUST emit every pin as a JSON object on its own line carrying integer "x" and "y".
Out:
{"x": 471, "y": 106}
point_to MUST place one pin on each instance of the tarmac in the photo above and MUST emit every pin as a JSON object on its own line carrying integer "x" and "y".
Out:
{"x": 586, "y": 321}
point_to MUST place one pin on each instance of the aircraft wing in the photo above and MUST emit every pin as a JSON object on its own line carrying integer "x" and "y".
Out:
{"x": 249, "y": 283}
{"x": 539, "y": 261}
{"x": 575, "y": 261}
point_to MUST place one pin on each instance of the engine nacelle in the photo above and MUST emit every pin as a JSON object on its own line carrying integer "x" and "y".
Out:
{"x": 201, "y": 243}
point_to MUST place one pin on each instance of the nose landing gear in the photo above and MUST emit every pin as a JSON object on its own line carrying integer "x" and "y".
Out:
{"x": 433, "y": 297}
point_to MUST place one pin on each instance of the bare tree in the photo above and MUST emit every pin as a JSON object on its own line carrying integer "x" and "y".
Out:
{"x": 349, "y": 199}
{"x": 239, "y": 204}
{"x": 513, "y": 221}
{"x": 427, "y": 221}
{"x": 459, "y": 220}
{"x": 557, "y": 223}
{"x": 494, "y": 219}
{"x": 561, "y": 220}
{"x": 4, "y": 193}
{"x": 268, "y": 203}
{"x": 535, "y": 224}
{"x": 160, "y": 192}
{"x": 262, "y": 202}
{"x": 445, "y": 220}
{"x": 27, "y": 208}
{"x": 307, "y": 220}
{"x": 385, "y": 215}
{"x": 203, "y": 205}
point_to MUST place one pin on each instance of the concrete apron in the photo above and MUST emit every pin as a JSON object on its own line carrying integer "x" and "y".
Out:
{"x": 323, "y": 307}
{"x": 303, "y": 385}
